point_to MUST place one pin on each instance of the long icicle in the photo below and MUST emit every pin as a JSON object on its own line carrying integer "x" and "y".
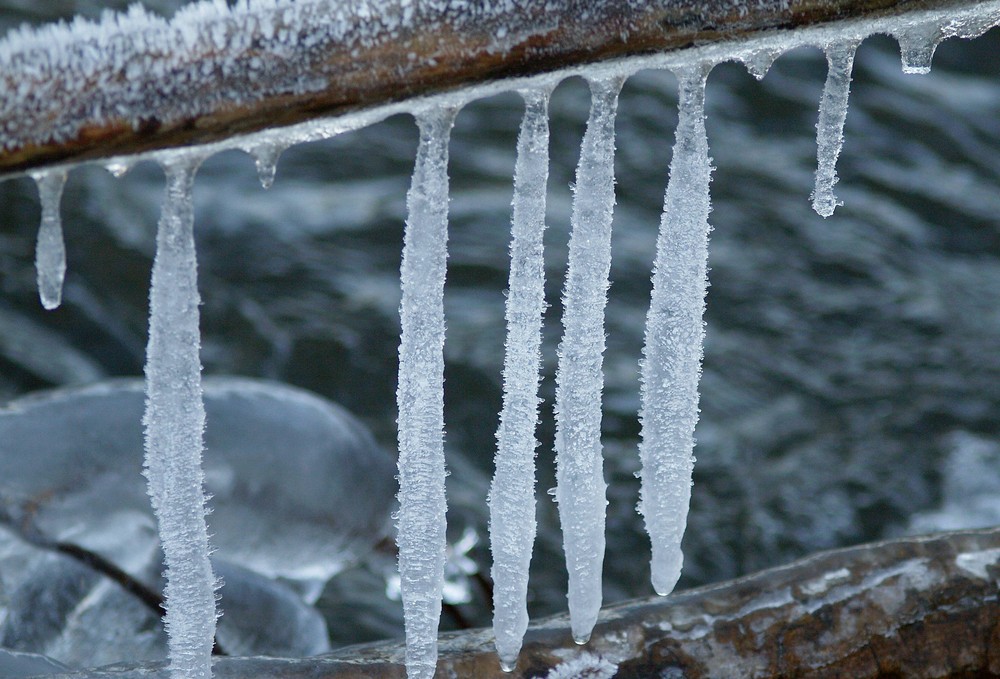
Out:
{"x": 174, "y": 424}
{"x": 50, "y": 251}
{"x": 420, "y": 395}
{"x": 671, "y": 364}
{"x": 830, "y": 127}
{"x": 512, "y": 493}
{"x": 580, "y": 487}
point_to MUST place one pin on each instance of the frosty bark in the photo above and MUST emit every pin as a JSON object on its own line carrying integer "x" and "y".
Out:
{"x": 129, "y": 100}
{"x": 918, "y": 608}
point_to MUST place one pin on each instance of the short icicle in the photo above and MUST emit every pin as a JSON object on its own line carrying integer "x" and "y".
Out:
{"x": 512, "y": 493}
{"x": 830, "y": 128}
{"x": 50, "y": 251}
{"x": 671, "y": 364}
{"x": 420, "y": 395}
{"x": 174, "y": 423}
{"x": 580, "y": 487}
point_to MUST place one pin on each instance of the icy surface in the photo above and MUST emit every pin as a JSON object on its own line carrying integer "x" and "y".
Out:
{"x": 50, "y": 252}
{"x": 830, "y": 128}
{"x": 512, "y": 493}
{"x": 580, "y": 485}
{"x": 420, "y": 395}
{"x": 175, "y": 421}
{"x": 671, "y": 364}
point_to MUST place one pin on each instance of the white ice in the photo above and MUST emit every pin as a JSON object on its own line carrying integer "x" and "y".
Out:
{"x": 830, "y": 128}
{"x": 580, "y": 485}
{"x": 671, "y": 364}
{"x": 512, "y": 493}
{"x": 174, "y": 421}
{"x": 50, "y": 251}
{"x": 420, "y": 395}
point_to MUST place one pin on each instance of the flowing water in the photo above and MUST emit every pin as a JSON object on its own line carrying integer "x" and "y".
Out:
{"x": 851, "y": 363}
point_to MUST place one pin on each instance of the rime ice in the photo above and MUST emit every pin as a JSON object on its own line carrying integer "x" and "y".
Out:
{"x": 671, "y": 364}
{"x": 420, "y": 395}
{"x": 175, "y": 420}
{"x": 580, "y": 486}
{"x": 50, "y": 252}
{"x": 830, "y": 128}
{"x": 512, "y": 493}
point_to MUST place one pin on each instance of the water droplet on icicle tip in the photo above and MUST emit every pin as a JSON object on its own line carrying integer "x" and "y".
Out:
{"x": 50, "y": 251}
{"x": 916, "y": 47}
{"x": 265, "y": 157}
{"x": 759, "y": 63}
{"x": 508, "y": 666}
{"x": 581, "y": 640}
{"x": 118, "y": 168}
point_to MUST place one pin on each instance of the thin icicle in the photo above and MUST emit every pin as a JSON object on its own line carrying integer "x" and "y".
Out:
{"x": 50, "y": 250}
{"x": 830, "y": 128}
{"x": 174, "y": 422}
{"x": 512, "y": 493}
{"x": 580, "y": 486}
{"x": 420, "y": 395}
{"x": 671, "y": 364}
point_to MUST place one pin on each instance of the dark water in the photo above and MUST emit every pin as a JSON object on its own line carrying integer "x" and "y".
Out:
{"x": 846, "y": 359}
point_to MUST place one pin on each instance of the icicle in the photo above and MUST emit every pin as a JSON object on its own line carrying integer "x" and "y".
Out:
{"x": 512, "y": 493}
{"x": 830, "y": 128}
{"x": 50, "y": 251}
{"x": 916, "y": 47}
{"x": 174, "y": 421}
{"x": 759, "y": 63}
{"x": 580, "y": 486}
{"x": 420, "y": 395}
{"x": 671, "y": 364}
{"x": 265, "y": 157}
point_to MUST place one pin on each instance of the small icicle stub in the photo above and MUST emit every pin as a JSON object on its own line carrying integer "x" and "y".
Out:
{"x": 174, "y": 425}
{"x": 50, "y": 249}
{"x": 512, "y": 493}
{"x": 917, "y": 44}
{"x": 671, "y": 364}
{"x": 420, "y": 395}
{"x": 830, "y": 127}
{"x": 265, "y": 158}
{"x": 581, "y": 490}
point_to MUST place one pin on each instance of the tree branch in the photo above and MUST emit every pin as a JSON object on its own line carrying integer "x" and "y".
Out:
{"x": 136, "y": 84}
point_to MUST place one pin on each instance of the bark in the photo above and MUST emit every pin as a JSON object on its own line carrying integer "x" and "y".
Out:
{"x": 916, "y": 607}
{"x": 132, "y": 101}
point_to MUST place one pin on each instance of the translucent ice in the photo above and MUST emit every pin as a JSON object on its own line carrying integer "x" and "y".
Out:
{"x": 512, "y": 493}
{"x": 175, "y": 422}
{"x": 420, "y": 395}
{"x": 50, "y": 253}
{"x": 580, "y": 485}
{"x": 830, "y": 128}
{"x": 671, "y": 364}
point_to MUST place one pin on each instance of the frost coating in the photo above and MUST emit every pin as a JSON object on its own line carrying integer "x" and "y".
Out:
{"x": 580, "y": 486}
{"x": 420, "y": 395}
{"x": 174, "y": 423}
{"x": 830, "y": 128}
{"x": 512, "y": 493}
{"x": 50, "y": 251}
{"x": 671, "y": 364}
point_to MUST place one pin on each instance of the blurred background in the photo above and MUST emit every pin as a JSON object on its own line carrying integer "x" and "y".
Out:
{"x": 851, "y": 377}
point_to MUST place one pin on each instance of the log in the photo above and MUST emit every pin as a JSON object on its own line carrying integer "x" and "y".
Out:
{"x": 137, "y": 83}
{"x": 915, "y": 607}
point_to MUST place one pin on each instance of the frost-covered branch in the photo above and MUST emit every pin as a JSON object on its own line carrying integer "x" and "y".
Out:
{"x": 136, "y": 82}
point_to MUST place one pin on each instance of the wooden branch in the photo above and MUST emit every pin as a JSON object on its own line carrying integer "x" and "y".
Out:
{"x": 131, "y": 86}
{"x": 916, "y": 607}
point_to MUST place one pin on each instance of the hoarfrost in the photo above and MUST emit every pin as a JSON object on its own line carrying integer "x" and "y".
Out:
{"x": 420, "y": 395}
{"x": 671, "y": 364}
{"x": 174, "y": 421}
{"x": 830, "y": 128}
{"x": 50, "y": 252}
{"x": 580, "y": 485}
{"x": 512, "y": 493}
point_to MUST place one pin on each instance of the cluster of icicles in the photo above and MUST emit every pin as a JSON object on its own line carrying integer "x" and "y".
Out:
{"x": 670, "y": 367}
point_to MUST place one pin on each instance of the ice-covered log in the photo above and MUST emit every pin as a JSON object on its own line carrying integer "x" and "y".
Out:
{"x": 135, "y": 82}
{"x": 915, "y": 607}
